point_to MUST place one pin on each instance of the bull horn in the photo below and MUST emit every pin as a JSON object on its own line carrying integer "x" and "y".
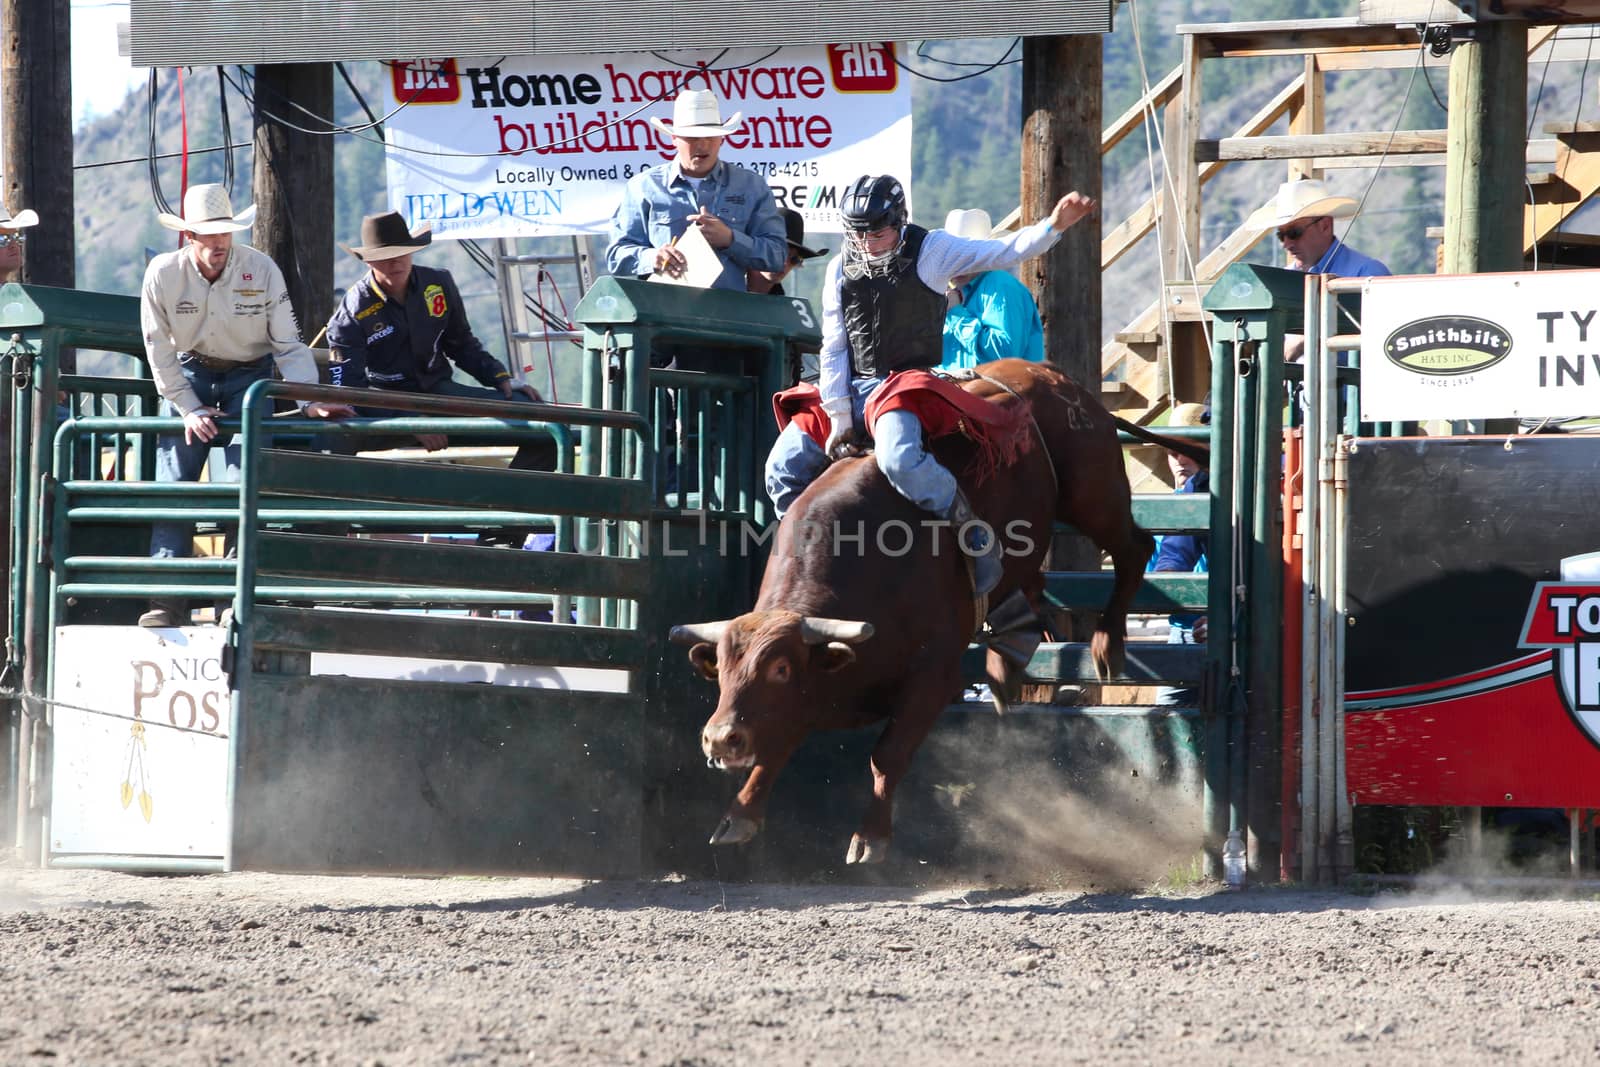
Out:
{"x": 816, "y": 631}
{"x": 696, "y": 632}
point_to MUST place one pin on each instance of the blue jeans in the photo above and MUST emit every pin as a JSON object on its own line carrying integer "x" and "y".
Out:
{"x": 531, "y": 455}
{"x": 177, "y": 461}
{"x": 796, "y": 460}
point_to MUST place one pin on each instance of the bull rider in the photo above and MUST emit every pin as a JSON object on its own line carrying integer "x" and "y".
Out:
{"x": 883, "y": 310}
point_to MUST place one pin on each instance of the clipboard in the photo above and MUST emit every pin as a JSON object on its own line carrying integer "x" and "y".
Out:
{"x": 704, "y": 265}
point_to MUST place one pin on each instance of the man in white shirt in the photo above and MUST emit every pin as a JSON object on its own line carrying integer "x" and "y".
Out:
{"x": 216, "y": 316}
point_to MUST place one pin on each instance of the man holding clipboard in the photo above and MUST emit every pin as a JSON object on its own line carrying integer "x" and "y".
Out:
{"x": 694, "y": 221}
{"x": 727, "y": 205}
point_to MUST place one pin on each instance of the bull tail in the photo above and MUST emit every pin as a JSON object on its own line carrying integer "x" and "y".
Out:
{"x": 1201, "y": 454}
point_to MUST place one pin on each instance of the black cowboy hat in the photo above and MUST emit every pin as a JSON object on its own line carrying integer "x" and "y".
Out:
{"x": 385, "y": 237}
{"x": 797, "y": 233}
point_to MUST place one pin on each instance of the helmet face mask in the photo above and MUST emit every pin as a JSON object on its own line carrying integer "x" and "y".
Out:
{"x": 870, "y": 206}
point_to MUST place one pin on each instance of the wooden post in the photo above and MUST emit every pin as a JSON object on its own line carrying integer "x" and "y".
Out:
{"x": 294, "y": 184}
{"x": 1485, "y": 153}
{"x": 36, "y": 147}
{"x": 1485, "y": 158}
{"x": 1061, "y": 119}
{"x": 36, "y": 117}
{"x": 1306, "y": 117}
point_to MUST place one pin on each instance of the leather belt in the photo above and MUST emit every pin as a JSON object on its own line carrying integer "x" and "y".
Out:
{"x": 219, "y": 365}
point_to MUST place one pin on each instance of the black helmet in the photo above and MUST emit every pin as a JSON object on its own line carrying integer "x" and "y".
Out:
{"x": 871, "y": 203}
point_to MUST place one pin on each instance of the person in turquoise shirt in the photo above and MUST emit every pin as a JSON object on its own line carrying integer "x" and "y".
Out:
{"x": 992, "y": 315}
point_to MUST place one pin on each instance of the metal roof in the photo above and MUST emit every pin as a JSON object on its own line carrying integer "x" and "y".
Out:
{"x": 164, "y": 33}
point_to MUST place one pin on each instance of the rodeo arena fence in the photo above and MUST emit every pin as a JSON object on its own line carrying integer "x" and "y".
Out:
{"x": 385, "y": 692}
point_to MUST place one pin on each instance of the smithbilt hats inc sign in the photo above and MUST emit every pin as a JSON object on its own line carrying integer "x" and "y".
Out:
{"x": 1480, "y": 346}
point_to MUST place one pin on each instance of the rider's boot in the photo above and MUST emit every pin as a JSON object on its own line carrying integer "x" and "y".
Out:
{"x": 978, "y": 541}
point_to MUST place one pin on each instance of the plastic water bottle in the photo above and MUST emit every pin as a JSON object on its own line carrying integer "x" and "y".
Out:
{"x": 1233, "y": 861}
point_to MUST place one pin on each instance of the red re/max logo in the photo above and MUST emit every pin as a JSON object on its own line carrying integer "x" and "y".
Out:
{"x": 425, "y": 81}
{"x": 863, "y": 68}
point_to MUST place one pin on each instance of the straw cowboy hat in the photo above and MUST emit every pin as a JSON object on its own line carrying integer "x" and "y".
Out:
{"x": 20, "y": 221}
{"x": 207, "y": 210}
{"x": 695, "y": 114}
{"x": 1304, "y": 199}
{"x": 1190, "y": 415}
{"x": 969, "y": 222}
{"x": 385, "y": 237}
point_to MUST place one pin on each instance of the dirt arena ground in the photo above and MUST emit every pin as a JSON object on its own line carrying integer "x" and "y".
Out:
{"x": 102, "y": 968}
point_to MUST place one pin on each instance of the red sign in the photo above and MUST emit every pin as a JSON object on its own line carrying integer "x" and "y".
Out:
{"x": 425, "y": 81}
{"x": 863, "y": 68}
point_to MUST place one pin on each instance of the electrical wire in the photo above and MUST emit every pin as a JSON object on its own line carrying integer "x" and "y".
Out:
{"x": 1004, "y": 61}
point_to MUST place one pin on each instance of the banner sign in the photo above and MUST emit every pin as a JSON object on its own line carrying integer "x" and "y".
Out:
{"x": 141, "y": 742}
{"x": 1472, "y": 655}
{"x": 1480, "y": 346}
{"x": 528, "y": 147}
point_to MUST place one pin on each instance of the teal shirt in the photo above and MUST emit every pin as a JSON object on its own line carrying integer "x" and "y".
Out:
{"x": 996, "y": 319}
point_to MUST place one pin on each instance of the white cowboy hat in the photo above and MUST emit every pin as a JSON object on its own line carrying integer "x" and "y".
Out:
{"x": 1304, "y": 199}
{"x": 207, "y": 210}
{"x": 20, "y": 221}
{"x": 695, "y": 114}
{"x": 969, "y": 222}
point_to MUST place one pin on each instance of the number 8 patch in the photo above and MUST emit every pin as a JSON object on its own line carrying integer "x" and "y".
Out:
{"x": 433, "y": 298}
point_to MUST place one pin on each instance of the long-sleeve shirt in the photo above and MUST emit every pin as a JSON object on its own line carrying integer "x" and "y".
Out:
{"x": 242, "y": 316}
{"x": 1342, "y": 261}
{"x": 943, "y": 256}
{"x": 656, "y": 207}
{"x": 1184, "y": 553}
{"x": 408, "y": 344}
{"x": 996, "y": 319}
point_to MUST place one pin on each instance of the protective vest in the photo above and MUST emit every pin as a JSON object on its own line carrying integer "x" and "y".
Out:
{"x": 893, "y": 320}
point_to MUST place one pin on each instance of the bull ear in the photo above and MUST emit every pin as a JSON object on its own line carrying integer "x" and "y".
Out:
{"x": 835, "y": 655}
{"x": 704, "y": 658}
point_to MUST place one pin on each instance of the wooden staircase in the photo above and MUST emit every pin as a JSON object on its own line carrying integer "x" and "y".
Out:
{"x": 1160, "y": 357}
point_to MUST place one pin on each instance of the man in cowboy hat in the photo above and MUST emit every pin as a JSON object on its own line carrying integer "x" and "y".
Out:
{"x": 1302, "y": 213}
{"x": 992, "y": 315}
{"x": 770, "y": 282}
{"x": 730, "y": 205}
{"x": 11, "y": 241}
{"x": 216, "y": 317}
{"x": 401, "y": 327}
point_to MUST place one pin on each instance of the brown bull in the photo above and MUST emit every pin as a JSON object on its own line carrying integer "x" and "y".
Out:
{"x": 866, "y": 605}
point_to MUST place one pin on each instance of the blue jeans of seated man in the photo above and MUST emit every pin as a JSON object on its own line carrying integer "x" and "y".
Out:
{"x": 796, "y": 460}
{"x": 177, "y": 461}
{"x": 537, "y": 455}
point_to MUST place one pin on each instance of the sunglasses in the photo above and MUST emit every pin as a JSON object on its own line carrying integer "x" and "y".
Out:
{"x": 9, "y": 239}
{"x": 1293, "y": 233}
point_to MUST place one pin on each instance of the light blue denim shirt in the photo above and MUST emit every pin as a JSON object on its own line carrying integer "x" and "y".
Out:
{"x": 943, "y": 256}
{"x": 1342, "y": 261}
{"x": 658, "y": 202}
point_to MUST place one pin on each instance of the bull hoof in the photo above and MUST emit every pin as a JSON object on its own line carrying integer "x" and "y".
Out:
{"x": 867, "y": 850}
{"x": 734, "y": 830}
